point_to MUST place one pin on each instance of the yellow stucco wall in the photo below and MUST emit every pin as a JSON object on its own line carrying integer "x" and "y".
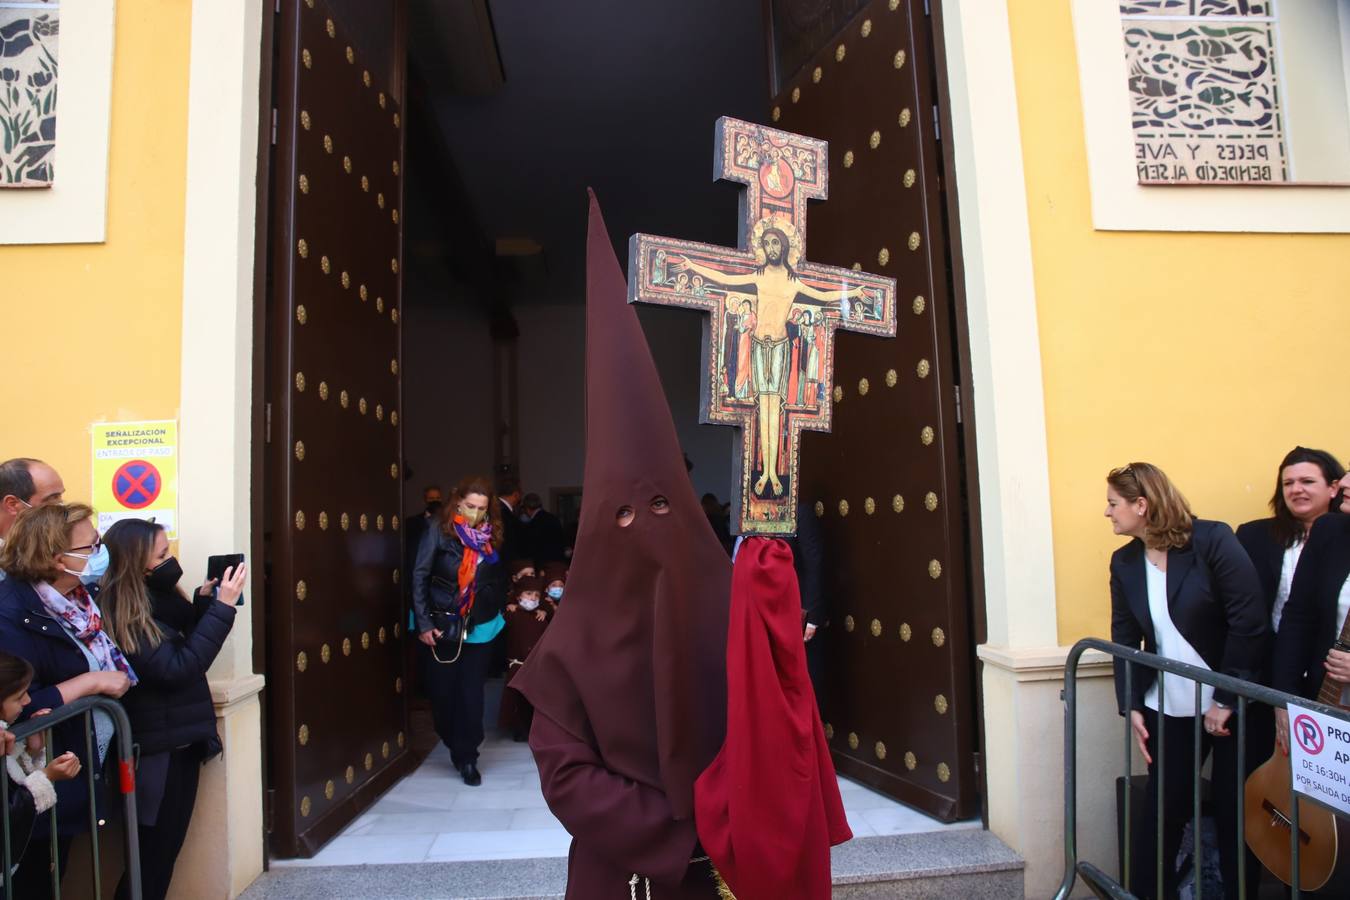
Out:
{"x": 1208, "y": 354}
{"x": 93, "y": 331}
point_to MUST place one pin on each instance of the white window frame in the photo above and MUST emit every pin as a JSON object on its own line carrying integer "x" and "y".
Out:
{"x": 1120, "y": 203}
{"x": 74, "y": 210}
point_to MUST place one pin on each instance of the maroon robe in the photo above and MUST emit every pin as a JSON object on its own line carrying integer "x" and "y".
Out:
{"x": 629, "y": 681}
{"x": 523, "y": 631}
{"x": 619, "y": 827}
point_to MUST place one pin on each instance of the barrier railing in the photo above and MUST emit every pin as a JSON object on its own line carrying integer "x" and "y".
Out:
{"x": 1245, "y": 691}
{"x": 121, "y": 752}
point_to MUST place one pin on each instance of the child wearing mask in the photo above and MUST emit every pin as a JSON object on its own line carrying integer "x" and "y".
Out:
{"x": 30, "y": 777}
{"x": 555, "y": 580}
{"x": 526, "y": 618}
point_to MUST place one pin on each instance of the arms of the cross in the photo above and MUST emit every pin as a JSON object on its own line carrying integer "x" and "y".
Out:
{"x": 768, "y": 341}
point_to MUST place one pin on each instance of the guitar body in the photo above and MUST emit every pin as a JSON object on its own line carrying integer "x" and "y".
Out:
{"x": 1324, "y": 854}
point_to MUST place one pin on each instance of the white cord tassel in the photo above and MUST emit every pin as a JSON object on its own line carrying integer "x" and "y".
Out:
{"x": 632, "y": 887}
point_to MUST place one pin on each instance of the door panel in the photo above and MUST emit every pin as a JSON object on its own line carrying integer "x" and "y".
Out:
{"x": 887, "y": 482}
{"x": 337, "y": 712}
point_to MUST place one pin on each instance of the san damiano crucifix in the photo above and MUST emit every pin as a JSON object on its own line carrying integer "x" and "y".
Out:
{"x": 768, "y": 342}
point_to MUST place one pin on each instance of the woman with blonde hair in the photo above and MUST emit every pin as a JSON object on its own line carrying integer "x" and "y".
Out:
{"x": 53, "y": 560}
{"x": 171, "y": 641}
{"x": 1182, "y": 588}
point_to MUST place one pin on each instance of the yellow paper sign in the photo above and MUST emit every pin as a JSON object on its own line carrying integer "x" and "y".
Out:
{"x": 136, "y": 473}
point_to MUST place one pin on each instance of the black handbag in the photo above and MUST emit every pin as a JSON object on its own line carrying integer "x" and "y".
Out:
{"x": 451, "y": 625}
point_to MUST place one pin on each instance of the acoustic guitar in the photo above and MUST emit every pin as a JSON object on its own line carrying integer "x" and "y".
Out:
{"x": 1324, "y": 843}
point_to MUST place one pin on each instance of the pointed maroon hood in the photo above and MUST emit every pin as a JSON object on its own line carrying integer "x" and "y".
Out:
{"x": 635, "y": 661}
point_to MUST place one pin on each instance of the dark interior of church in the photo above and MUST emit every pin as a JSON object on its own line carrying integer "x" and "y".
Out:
{"x": 515, "y": 108}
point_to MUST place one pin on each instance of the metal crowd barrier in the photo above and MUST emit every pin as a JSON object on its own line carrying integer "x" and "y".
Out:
{"x": 120, "y": 750}
{"x": 1093, "y": 876}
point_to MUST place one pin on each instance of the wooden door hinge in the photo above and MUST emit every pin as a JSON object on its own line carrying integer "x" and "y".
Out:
{"x": 956, "y": 389}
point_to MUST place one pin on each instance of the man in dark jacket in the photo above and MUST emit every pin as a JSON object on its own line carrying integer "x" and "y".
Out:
{"x": 432, "y": 500}
{"x": 542, "y": 532}
{"x": 808, "y": 558}
{"x": 513, "y": 537}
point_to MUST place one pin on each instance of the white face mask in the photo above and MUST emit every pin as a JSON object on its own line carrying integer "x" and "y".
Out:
{"x": 529, "y": 605}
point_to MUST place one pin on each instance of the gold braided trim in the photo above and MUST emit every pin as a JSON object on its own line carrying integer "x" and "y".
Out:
{"x": 723, "y": 892}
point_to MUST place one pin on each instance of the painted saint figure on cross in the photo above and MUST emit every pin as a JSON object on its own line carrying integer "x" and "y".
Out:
{"x": 768, "y": 341}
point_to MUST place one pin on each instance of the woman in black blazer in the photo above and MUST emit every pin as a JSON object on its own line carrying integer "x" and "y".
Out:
{"x": 1315, "y": 614}
{"x": 1182, "y": 588}
{"x": 1306, "y": 485}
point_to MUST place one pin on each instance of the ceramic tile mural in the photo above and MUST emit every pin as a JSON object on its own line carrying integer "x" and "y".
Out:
{"x": 28, "y": 35}
{"x": 1195, "y": 8}
{"x": 1204, "y": 90}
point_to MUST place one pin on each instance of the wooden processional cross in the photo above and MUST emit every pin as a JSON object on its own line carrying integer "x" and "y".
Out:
{"x": 768, "y": 343}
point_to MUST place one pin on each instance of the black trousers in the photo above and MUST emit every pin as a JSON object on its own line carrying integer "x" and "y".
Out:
{"x": 33, "y": 879}
{"x": 456, "y": 693}
{"x": 1178, "y": 806}
{"x": 161, "y": 842}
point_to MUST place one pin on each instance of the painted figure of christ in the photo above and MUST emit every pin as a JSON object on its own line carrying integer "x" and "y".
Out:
{"x": 777, "y": 287}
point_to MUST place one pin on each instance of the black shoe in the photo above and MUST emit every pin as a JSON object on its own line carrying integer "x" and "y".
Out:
{"x": 472, "y": 777}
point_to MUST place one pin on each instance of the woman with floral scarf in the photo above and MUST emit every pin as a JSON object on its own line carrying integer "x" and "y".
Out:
{"x": 53, "y": 558}
{"x": 457, "y": 605}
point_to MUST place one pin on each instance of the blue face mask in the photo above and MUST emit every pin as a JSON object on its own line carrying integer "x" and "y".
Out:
{"x": 95, "y": 564}
{"x": 555, "y": 593}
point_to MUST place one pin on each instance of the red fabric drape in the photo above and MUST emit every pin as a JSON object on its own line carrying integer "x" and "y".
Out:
{"x": 768, "y": 808}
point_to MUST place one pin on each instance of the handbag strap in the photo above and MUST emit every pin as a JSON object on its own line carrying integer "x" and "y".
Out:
{"x": 458, "y": 650}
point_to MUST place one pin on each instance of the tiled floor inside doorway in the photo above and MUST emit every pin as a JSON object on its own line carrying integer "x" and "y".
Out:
{"x": 431, "y": 816}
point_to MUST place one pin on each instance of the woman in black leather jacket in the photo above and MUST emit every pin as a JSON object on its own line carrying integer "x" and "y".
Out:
{"x": 457, "y": 588}
{"x": 171, "y": 641}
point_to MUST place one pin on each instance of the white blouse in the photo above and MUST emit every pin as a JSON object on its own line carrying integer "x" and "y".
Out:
{"x": 1342, "y": 606}
{"x": 1291, "y": 556}
{"x": 1180, "y": 692}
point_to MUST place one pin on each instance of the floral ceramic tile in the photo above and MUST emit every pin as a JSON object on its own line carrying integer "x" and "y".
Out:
{"x": 1195, "y": 7}
{"x": 1204, "y": 91}
{"x": 28, "y": 70}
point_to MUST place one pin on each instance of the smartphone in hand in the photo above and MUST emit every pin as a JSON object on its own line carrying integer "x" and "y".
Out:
{"x": 216, "y": 566}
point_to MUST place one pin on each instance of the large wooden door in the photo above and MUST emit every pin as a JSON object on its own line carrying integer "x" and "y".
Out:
{"x": 888, "y": 481}
{"x": 337, "y": 715}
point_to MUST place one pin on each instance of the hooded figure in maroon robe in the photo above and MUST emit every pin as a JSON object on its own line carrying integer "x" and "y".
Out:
{"x": 629, "y": 682}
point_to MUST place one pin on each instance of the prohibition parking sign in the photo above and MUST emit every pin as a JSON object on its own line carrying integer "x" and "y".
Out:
{"x": 1319, "y": 756}
{"x": 1308, "y": 734}
{"x": 137, "y": 484}
{"x": 136, "y": 472}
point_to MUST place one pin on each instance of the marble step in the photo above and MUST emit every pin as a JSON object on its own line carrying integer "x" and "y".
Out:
{"x": 973, "y": 865}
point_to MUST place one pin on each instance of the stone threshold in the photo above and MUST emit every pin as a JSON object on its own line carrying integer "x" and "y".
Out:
{"x": 948, "y": 864}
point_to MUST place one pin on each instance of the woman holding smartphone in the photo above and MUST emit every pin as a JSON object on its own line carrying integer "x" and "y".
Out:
{"x": 171, "y": 641}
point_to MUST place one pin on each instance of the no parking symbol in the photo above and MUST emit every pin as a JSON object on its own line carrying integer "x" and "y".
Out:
{"x": 136, "y": 484}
